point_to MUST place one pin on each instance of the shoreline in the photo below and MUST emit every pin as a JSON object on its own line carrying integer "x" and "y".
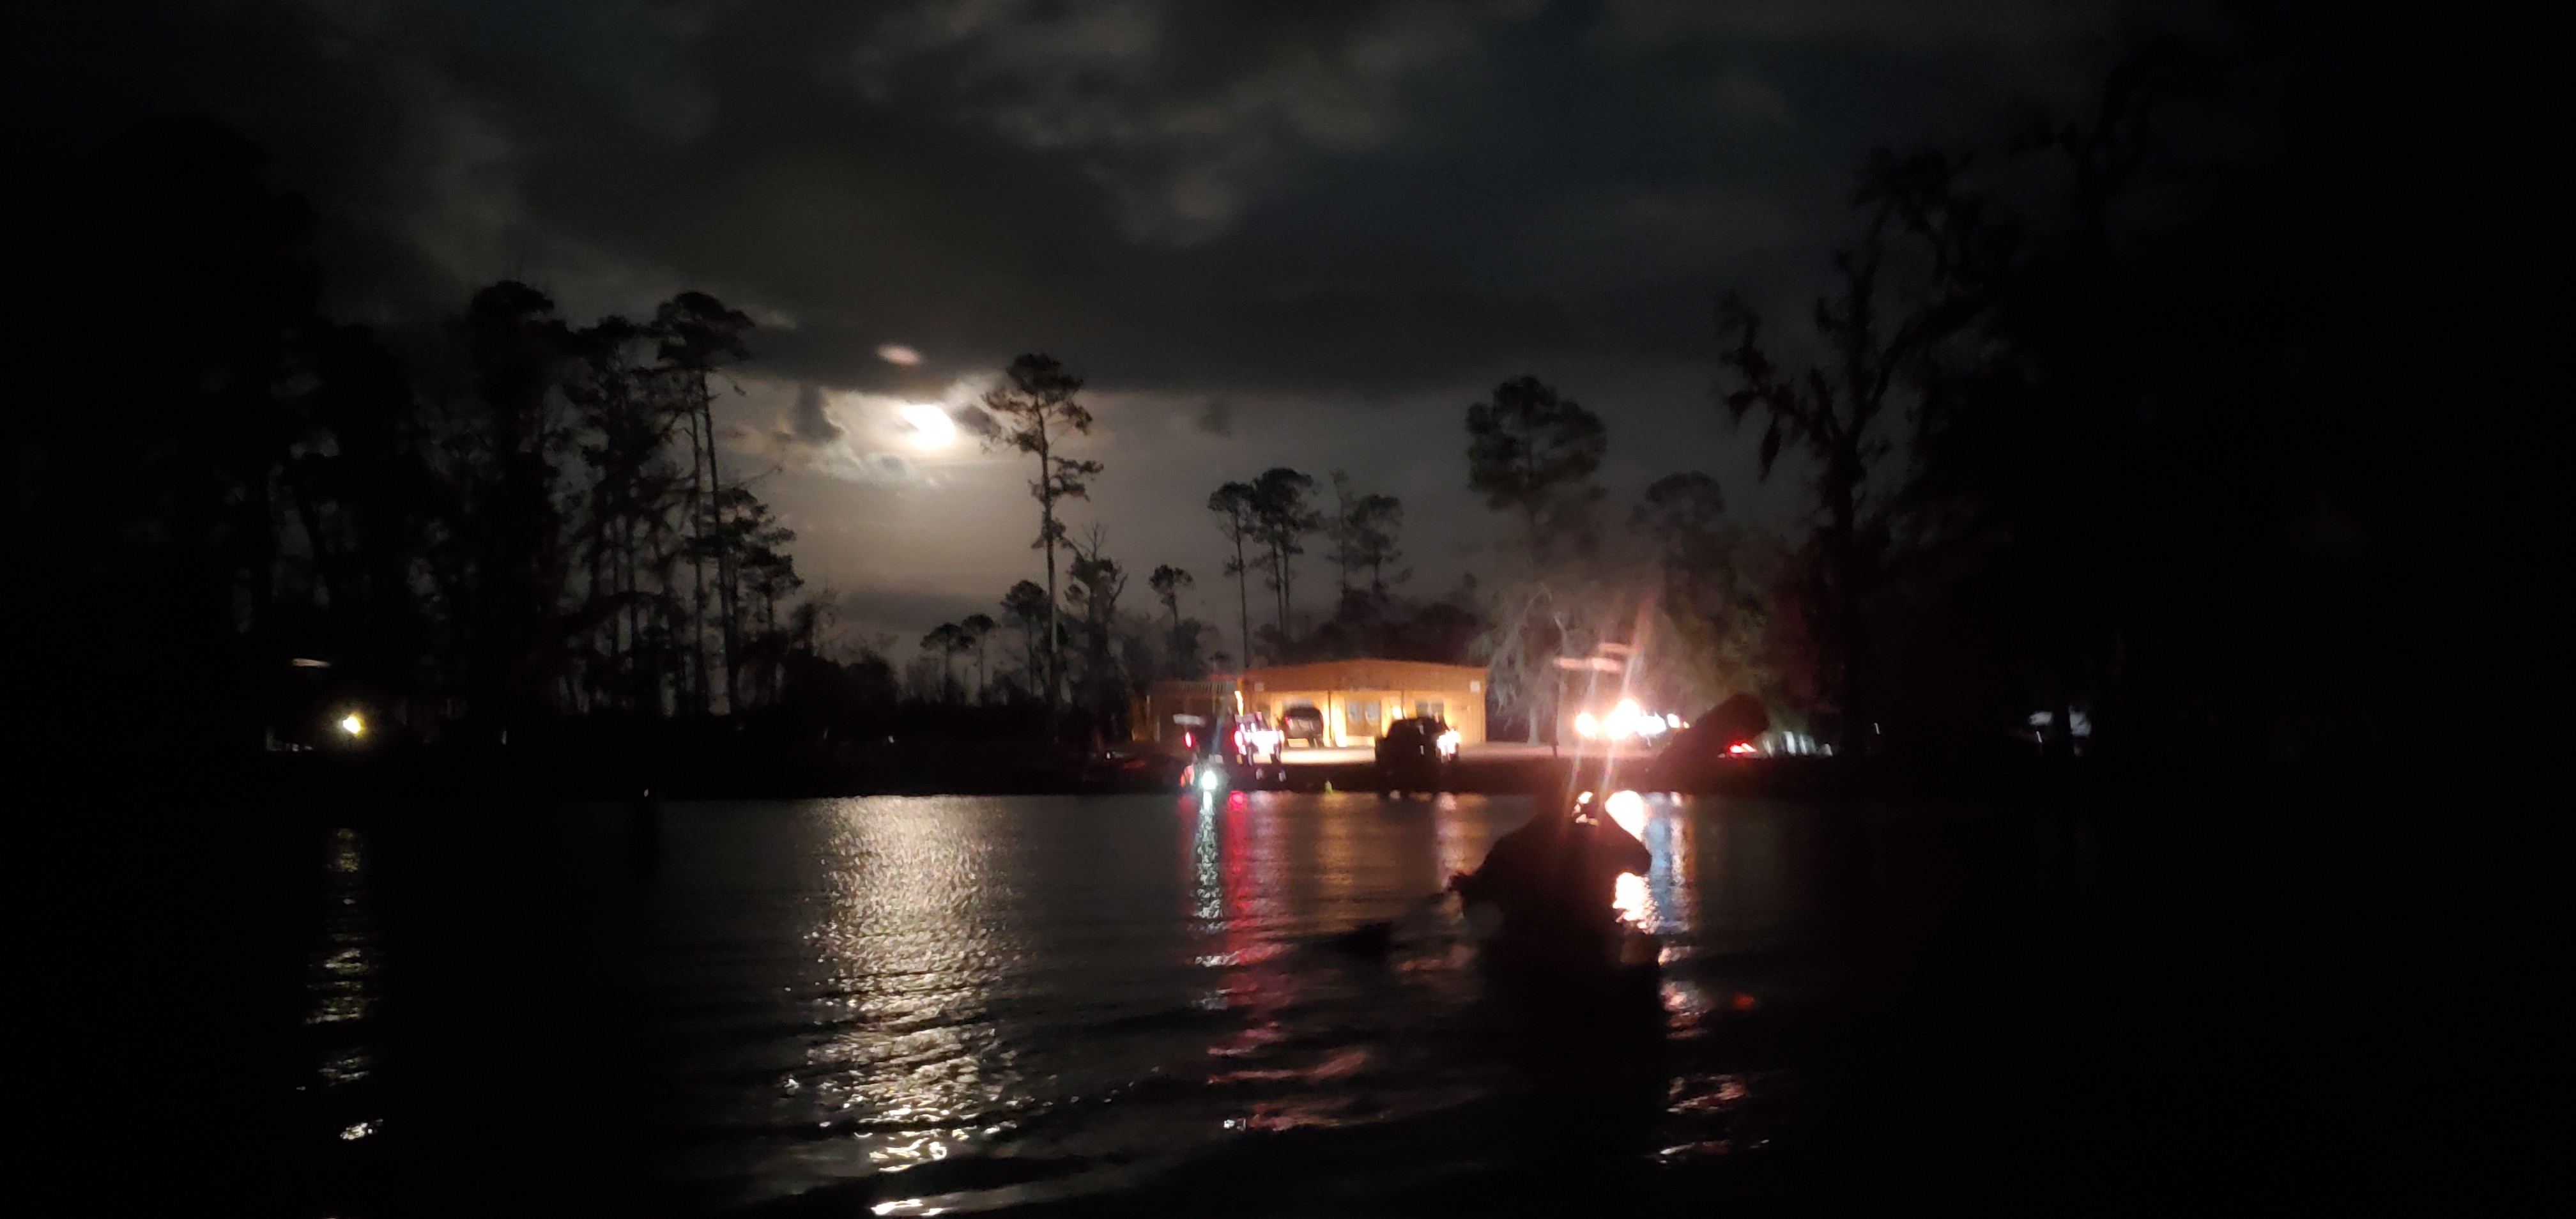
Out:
{"x": 960, "y": 769}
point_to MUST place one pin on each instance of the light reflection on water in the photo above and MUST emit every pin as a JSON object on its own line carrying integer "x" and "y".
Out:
{"x": 918, "y": 939}
{"x": 978, "y": 993}
{"x": 1660, "y": 901}
{"x": 342, "y": 991}
{"x": 341, "y": 983}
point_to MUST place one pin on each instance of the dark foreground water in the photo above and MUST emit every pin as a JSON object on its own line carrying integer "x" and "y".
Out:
{"x": 888, "y": 1006}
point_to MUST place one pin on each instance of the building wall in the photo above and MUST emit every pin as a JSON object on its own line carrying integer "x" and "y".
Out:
{"x": 1359, "y": 698}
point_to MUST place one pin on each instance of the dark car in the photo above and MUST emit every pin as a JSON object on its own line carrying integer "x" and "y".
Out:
{"x": 1719, "y": 738}
{"x": 1414, "y": 755}
{"x": 1303, "y": 724}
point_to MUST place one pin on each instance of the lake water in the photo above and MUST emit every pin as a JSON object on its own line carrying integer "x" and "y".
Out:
{"x": 1062, "y": 1005}
{"x": 904, "y": 1005}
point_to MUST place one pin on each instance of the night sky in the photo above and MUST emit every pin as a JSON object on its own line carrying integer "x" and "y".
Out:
{"x": 1271, "y": 234}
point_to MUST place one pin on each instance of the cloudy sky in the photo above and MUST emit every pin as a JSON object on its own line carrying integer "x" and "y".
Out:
{"x": 1267, "y": 233}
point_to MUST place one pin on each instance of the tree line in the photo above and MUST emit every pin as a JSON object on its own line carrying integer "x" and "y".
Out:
{"x": 1069, "y": 644}
{"x": 2111, "y": 426}
{"x": 1076, "y": 649}
{"x": 2111, "y": 434}
{"x": 504, "y": 522}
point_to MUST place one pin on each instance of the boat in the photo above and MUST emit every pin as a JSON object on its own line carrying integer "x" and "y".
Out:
{"x": 1619, "y": 970}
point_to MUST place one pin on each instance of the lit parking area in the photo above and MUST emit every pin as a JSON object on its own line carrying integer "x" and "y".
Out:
{"x": 1490, "y": 751}
{"x": 1327, "y": 756}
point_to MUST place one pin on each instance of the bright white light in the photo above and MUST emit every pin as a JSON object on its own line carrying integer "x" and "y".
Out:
{"x": 353, "y": 725}
{"x": 1672, "y": 721}
{"x": 931, "y": 426}
{"x": 1449, "y": 743}
{"x": 1634, "y": 902}
{"x": 1622, "y": 722}
{"x": 1629, "y": 810}
{"x": 1585, "y": 726}
{"x": 897, "y": 353}
{"x": 1210, "y": 778}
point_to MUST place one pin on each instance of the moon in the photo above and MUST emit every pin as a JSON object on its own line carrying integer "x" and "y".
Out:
{"x": 931, "y": 426}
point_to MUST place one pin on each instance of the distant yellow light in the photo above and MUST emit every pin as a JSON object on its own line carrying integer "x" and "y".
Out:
{"x": 1585, "y": 726}
{"x": 353, "y": 725}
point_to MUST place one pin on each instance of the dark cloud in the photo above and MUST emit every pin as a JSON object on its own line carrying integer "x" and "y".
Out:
{"x": 867, "y": 612}
{"x": 1215, "y": 417}
{"x": 1346, "y": 196}
{"x": 808, "y": 422}
{"x": 1318, "y": 229}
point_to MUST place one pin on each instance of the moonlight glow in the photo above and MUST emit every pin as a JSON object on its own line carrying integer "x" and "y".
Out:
{"x": 931, "y": 426}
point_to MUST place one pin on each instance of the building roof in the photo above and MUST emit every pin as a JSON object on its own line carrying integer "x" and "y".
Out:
{"x": 1364, "y": 674}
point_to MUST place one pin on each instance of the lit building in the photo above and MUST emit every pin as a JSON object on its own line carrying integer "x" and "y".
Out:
{"x": 1357, "y": 699}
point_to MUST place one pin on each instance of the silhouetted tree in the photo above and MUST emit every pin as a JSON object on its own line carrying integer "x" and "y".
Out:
{"x": 1032, "y": 611}
{"x": 489, "y": 534}
{"x": 2042, "y": 440}
{"x": 1878, "y": 328}
{"x": 979, "y": 630}
{"x": 763, "y": 574}
{"x": 698, "y": 335}
{"x": 1363, "y": 529}
{"x": 507, "y": 569}
{"x": 1238, "y": 519}
{"x": 626, "y": 511}
{"x": 1098, "y": 581}
{"x": 1282, "y": 519}
{"x": 947, "y": 641}
{"x": 1038, "y": 412}
{"x": 1711, "y": 600}
{"x": 1533, "y": 453}
{"x": 179, "y": 312}
{"x": 1168, "y": 582}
